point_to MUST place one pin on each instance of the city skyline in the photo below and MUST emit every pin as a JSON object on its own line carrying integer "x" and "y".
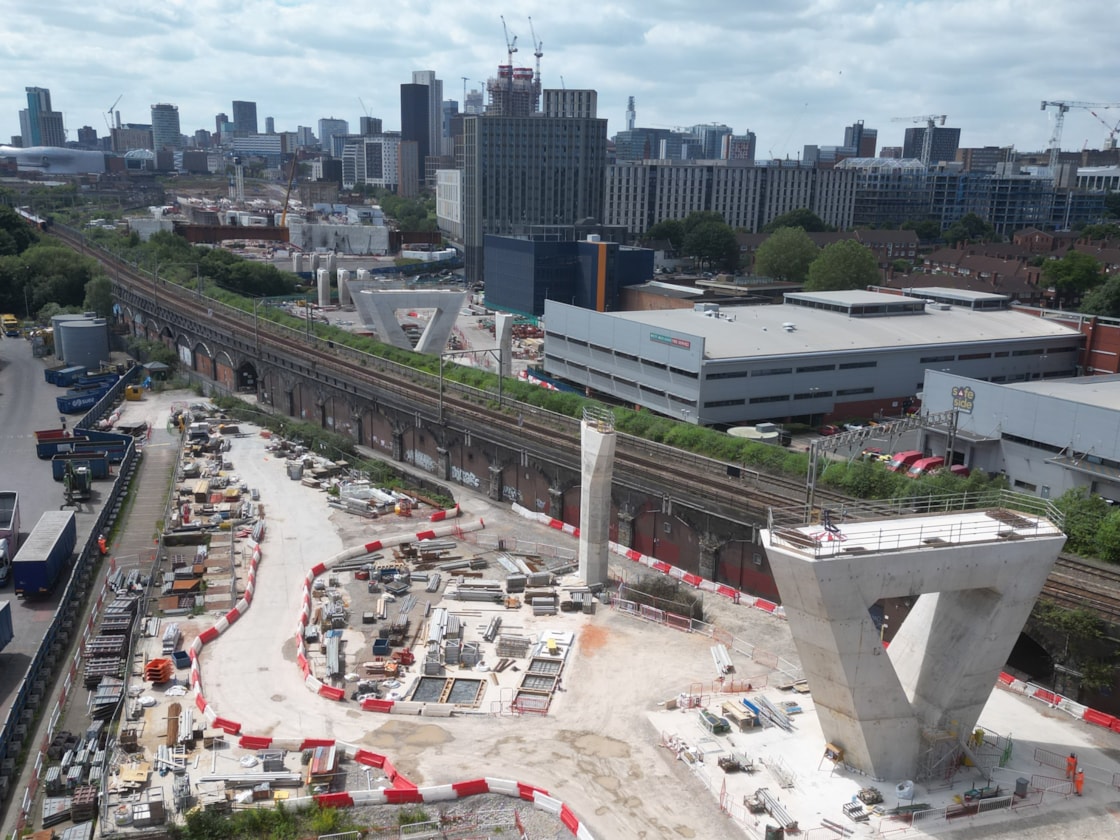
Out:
{"x": 794, "y": 73}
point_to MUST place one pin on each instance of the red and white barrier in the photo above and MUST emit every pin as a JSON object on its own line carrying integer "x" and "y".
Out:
{"x": 440, "y": 515}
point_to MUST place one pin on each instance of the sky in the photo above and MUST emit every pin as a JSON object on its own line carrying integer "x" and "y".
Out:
{"x": 792, "y": 71}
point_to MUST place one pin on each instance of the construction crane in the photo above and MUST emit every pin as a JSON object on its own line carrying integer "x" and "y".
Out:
{"x": 931, "y": 120}
{"x": 538, "y": 48}
{"x": 511, "y": 45}
{"x": 1062, "y": 108}
{"x": 291, "y": 179}
{"x": 1110, "y": 141}
{"x": 109, "y": 114}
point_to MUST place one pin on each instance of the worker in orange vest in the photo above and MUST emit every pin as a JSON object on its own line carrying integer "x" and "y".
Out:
{"x": 1079, "y": 780}
{"x": 102, "y": 545}
{"x": 1071, "y": 765}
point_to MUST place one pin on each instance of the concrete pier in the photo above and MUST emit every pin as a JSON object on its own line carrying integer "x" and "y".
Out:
{"x": 595, "y": 494}
{"x": 975, "y": 576}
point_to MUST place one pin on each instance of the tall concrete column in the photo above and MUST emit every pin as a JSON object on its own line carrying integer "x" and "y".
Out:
{"x": 709, "y": 556}
{"x": 555, "y": 502}
{"x": 976, "y": 575}
{"x": 495, "y": 491}
{"x": 597, "y": 457}
{"x": 626, "y": 528}
{"x": 503, "y": 331}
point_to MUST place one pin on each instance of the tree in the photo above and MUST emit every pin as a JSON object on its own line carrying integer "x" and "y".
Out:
{"x": 713, "y": 244}
{"x": 901, "y": 266}
{"x": 695, "y": 219}
{"x": 99, "y": 296}
{"x": 670, "y": 230}
{"x": 1111, "y": 231}
{"x": 1083, "y": 513}
{"x": 805, "y": 219}
{"x": 16, "y": 236}
{"x": 843, "y": 265}
{"x": 970, "y": 228}
{"x": 1112, "y": 205}
{"x": 927, "y": 229}
{"x": 786, "y": 255}
{"x": 1072, "y": 276}
{"x": 1103, "y": 299}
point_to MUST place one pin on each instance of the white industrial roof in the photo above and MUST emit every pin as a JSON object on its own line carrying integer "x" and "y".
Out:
{"x": 1096, "y": 391}
{"x": 743, "y": 331}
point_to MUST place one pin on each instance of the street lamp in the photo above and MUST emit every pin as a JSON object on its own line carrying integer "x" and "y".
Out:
{"x": 882, "y": 632}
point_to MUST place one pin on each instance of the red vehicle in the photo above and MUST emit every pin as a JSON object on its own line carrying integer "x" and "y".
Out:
{"x": 828, "y": 429}
{"x": 961, "y": 470}
{"x": 924, "y": 466}
{"x": 901, "y": 461}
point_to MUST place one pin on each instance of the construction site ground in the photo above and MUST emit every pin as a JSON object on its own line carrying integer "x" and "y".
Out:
{"x": 621, "y": 744}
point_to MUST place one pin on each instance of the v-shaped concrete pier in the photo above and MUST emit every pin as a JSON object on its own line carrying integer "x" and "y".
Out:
{"x": 974, "y": 575}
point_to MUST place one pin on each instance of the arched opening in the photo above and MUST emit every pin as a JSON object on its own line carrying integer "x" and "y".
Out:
{"x": 247, "y": 378}
{"x": 1030, "y": 658}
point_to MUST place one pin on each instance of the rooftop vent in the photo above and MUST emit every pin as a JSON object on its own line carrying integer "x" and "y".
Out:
{"x": 789, "y": 326}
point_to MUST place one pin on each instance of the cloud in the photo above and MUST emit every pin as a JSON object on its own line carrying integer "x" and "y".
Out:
{"x": 794, "y": 72}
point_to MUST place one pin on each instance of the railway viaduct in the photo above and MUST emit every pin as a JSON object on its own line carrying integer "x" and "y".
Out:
{"x": 694, "y": 513}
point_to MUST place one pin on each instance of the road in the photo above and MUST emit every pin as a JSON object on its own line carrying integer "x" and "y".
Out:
{"x": 27, "y": 403}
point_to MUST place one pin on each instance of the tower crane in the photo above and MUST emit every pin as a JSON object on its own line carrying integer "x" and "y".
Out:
{"x": 538, "y": 49}
{"x": 930, "y": 120}
{"x": 1062, "y": 108}
{"x": 1110, "y": 141}
{"x": 511, "y": 45}
{"x": 109, "y": 114}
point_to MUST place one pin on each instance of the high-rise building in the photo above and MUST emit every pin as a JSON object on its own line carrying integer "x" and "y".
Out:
{"x": 435, "y": 112}
{"x": 369, "y": 126}
{"x": 372, "y": 161}
{"x": 639, "y": 143}
{"x": 305, "y": 137}
{"x": 514, "y": 92}
{"x": 87, "y": 137}
{"x": 711, "y": 139}
{"x": 415, "y": 114}
{"x": 165, "y": 126}
{"x": 244, "y": 117}
{"x": 558, "y": 165}
{"x": 946, "y": 141}
{"x": 220, "y": 120}
{"x": 571, "y": 103}
{"x": 269, "y": 125}
{"x": 739, "y": 147}
{"x": 631, "y": 114}
{"x": 860, "y": 139}
{"x": 474, "y": 102}
{"x": 328, "y": 128}
{"x": 39, "y": 125}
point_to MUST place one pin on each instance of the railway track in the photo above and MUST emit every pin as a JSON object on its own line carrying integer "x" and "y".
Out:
{"x": 644, "y": 464}
{"x": 1076, "y": 584}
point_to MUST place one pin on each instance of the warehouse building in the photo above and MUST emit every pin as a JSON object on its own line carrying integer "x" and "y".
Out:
{"x": 1047, "y": 437}
{"x": 817, "y": 356}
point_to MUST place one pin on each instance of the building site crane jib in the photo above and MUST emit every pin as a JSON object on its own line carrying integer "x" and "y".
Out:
{"x": 1062, "y": 107}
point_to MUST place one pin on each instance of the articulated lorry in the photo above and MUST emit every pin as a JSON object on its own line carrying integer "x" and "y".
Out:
{"x": 45, "y": 554}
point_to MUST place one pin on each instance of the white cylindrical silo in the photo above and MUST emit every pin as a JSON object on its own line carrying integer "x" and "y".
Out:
{"x": 324, "y": 277}
{"x": 297, "y": 263}
{"x": 343, "y": 287}
{"x": 86, "y": 342}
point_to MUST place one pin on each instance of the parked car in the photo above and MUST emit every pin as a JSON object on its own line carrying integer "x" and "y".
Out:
{"x": 873, "y": 453}
{"x": 829, "y": 429}
{"x": 961, "y": 470}
{"x": 924, "y": 466}
{"x": 901, "y": 461}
